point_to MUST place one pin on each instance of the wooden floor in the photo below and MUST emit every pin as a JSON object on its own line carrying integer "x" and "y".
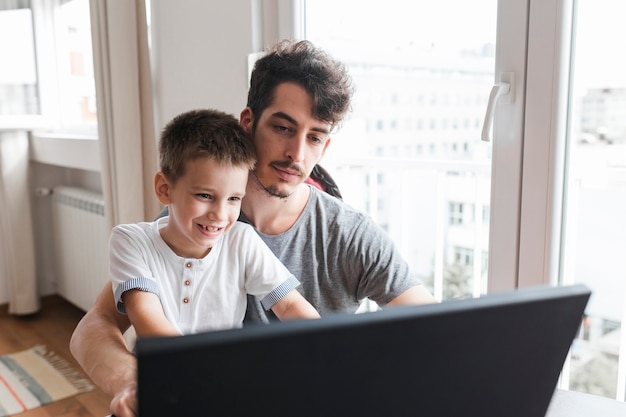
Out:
{"x": 51, "y": 327}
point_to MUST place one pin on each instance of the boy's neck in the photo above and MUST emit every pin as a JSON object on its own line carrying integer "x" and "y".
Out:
{"x": 273, "y": 215}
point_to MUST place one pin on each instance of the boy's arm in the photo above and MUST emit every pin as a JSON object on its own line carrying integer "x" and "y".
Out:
{"x": 294, "y": 306}
{"x": 145, "y": 312}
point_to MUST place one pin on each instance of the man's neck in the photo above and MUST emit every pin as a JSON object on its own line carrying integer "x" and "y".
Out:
{"x": 273, "y": 215}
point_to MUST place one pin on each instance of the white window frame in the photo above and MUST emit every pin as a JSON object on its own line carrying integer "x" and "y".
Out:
{"x": 507, "y": 150}
{"x": 545, "y": 124}
{"x": 525, "y": 236}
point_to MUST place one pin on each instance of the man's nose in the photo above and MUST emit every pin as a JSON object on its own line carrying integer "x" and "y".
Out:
{"x": 295, "y": 152}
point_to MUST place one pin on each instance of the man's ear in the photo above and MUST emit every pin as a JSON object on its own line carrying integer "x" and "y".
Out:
{"x": 246, "y": 120}
{"x": 325, "y": 147}
{"x": 162, "y": 188}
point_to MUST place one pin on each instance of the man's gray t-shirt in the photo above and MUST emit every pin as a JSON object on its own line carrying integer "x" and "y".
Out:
{"x": 339, "y": 255}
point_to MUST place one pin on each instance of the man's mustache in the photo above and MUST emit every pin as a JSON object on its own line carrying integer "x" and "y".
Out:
{"x": 288, "y": 165}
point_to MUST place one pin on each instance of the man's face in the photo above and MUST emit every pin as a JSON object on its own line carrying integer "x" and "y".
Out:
{"x": 289, "y": 140}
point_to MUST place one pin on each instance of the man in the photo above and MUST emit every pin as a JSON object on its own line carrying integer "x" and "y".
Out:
{"x": 298, "y": 96}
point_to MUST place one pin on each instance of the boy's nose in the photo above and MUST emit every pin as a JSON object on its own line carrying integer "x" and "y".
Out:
{"x": 218, "y": 211}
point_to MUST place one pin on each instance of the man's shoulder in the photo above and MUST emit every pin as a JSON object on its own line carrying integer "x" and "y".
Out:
{"x": 332, "y": 213}
{"x": 323, "y": 199}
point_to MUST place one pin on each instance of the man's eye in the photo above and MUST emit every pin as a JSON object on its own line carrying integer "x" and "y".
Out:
{"x": 282, "y": 129}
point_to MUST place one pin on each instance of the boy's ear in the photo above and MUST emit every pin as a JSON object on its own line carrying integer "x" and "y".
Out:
{"x": 162, "y": 188}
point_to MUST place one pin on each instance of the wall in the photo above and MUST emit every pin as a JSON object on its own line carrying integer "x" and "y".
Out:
{"x": 199, "y": 55}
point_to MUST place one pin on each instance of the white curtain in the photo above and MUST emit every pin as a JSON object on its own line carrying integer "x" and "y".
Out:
{"x": 17, "y": 249}
{"x": 125, "y": 111}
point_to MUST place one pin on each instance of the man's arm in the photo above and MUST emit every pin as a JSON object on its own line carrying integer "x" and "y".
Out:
{"x": 99, "y": 347}
{"x": 294, "y": 306}
{"x": 414, "y": 295}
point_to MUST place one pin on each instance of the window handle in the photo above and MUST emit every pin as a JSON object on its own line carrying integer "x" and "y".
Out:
{"x": 500, "y": 89}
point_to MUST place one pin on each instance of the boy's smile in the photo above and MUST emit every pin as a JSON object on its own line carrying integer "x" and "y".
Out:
{"x": 203, "y": 205}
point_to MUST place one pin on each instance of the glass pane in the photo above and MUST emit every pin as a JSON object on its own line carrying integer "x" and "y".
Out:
{"x": 18, "y": 81}
{"x": 75, "y": 58}
{"x": 410, "y": 153}
{"x": 595, "y": 246}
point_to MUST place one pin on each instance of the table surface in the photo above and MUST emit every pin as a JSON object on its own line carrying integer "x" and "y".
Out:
{"x": 576, "y": 404}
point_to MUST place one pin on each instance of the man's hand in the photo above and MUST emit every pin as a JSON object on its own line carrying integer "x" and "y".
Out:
{"x": 124, "y": 404}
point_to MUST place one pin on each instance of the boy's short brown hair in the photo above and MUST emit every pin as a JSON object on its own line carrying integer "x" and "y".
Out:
{"x": 203, "y": 133}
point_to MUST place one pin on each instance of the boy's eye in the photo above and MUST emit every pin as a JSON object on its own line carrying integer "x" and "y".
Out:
{"x": 235, "y": 199}
{"x": 204, "y": 196}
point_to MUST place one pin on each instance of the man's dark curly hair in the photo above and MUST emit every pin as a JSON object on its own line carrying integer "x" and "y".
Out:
{"x": 324, "y": 78}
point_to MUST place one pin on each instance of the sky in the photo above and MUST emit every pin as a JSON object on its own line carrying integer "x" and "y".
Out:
{"x": 393, "y": 23}
{"x": 16, "y": 41}
{"x": 600, "y": 37}
{"x": 600, "y": 41}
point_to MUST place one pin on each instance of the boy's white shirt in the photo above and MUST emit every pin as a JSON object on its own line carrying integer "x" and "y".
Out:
{"x": 238, "y": 264}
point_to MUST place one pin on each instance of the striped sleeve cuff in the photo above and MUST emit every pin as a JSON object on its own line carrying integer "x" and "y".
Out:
{"x": 142, "y": 284}
{"x": 279, "y": 292}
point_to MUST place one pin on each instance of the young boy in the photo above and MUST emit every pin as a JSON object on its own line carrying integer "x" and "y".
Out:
{"x": 191, "y": 271}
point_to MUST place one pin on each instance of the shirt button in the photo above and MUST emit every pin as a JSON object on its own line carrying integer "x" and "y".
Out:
{"x": 188, "y": 265}
{"x": 185, "y": 300}
{"x": 187, "y": 283}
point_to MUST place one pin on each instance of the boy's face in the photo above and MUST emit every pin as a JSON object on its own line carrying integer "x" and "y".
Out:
{"x": 289, "y": 140}
{"x": 203, "y": 205}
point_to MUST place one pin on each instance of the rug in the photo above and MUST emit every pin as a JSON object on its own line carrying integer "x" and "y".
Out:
{"x": 35, "y": 377}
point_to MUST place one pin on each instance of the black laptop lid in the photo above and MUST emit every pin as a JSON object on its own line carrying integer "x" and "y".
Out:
{"x": 498, "y": 355}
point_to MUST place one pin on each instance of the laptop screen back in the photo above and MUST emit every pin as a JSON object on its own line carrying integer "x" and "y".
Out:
{"x": 498, "y": 355}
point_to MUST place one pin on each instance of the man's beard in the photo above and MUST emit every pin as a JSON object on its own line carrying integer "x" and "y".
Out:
{"x": 271, "y": 189}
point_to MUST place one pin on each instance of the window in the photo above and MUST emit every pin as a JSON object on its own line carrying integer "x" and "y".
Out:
{"x": 595, "y": 196}
{"x": 18, "y": 81}
{"x": 456, "y": 213}
{"x": 428, "y": 73}
{"x": 463, "y": 256}
{"x": 51, "y": 83}
{"x": 568, "y": 234}
{"x": 75, "y": 61}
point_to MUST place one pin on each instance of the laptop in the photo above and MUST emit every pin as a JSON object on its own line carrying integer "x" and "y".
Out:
{"x": 497, "y": 355}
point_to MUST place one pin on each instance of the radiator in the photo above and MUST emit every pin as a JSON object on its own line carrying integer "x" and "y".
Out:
{"x": 81, "y": 244}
